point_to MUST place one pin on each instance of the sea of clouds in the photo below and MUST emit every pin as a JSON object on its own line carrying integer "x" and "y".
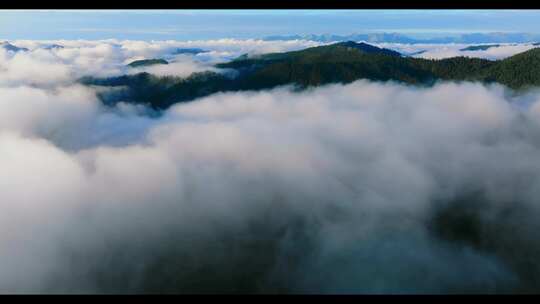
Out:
{"x": 359, "y": 188}
{"x": 441, "y": 51}
{"x": 105, "y": 58}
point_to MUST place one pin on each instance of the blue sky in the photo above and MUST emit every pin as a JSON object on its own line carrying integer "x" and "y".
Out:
{"x": 211, "y": 24}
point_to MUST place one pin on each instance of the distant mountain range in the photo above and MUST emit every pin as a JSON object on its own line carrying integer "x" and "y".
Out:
{"x": 10, "y": 47}
{"x": 482, "y": 47}
{"x": 401, "y": 38}
{"x": 53, "y": 46}
{"x": 189, "y": 51}
{"x": 342, "y": 62}
{"x": 13, "y": 48}
{"x": 416, "y": 53}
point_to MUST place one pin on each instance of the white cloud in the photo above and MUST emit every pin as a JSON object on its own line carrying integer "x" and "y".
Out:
{"x": 440, "y": 51}
{"x": 105, "y": 58}
{"x": 358, "y": 168}
{"x": 330, "y": 190}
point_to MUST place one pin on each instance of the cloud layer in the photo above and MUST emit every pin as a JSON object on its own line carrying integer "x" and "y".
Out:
{"x": 359, "y": 188}
{"x": 105, "y": 58}
{"x": 440, "y": 51}
{"x": 49, "y": 67}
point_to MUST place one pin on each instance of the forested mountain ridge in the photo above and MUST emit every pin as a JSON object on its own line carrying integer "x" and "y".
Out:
{"x": 147, "y": 62}
{"x": 342, "y": 62}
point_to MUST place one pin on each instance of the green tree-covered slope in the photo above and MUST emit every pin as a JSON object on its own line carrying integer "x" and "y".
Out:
{"x": 337, "y": 63}
{"x": 147, "y": 62}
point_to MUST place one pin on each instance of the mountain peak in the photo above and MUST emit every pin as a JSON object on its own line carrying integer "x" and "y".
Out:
{"x": 367, "y": 48}
{"x": 147, "y": 62}
{"x": 189, "y": 51}
{"x": 53, "y": 46}
{"x": 10, "y": 47}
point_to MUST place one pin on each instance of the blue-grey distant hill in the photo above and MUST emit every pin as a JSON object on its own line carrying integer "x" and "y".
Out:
{"x": 10, "y": 47}
{"x": 416, "y": 53}
{"x": 147, "y": 62}
{"x": 189, "y": 51}
{"x": 481, "y": 47}
{"x": 53, "y": 46}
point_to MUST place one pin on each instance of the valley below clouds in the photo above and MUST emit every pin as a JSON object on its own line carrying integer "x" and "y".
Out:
{"x": 367, "y": 187}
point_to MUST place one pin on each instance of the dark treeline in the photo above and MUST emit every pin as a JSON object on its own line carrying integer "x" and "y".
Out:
{"x": 337, "y": 63}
